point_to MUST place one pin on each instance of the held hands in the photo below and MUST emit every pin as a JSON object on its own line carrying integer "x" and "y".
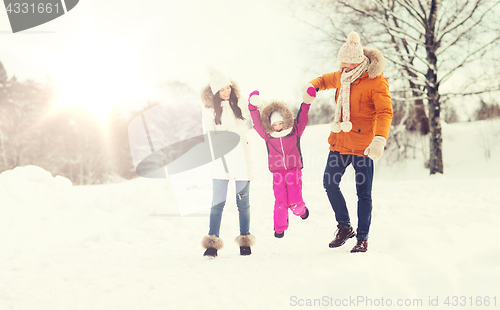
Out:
{"x": 254, "y": 99}
{"x": 376, "y": 149}
{"x": 308, "y": 93}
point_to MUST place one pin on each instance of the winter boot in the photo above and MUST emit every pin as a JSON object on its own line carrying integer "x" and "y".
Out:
{"x": 279, "y": 235}
{"x": 305, "y": 215}
{"x": 360, "y": 247}
{"x": 212, "y": 252}
{"x": 245, "y": 242}
{"x": 245, "y": 250}
{"x": 212, "y": 243}
{"x": 341, "y": 236}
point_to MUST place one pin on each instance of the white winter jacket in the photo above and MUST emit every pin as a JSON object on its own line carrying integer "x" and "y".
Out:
{"x": 237, "y": 160}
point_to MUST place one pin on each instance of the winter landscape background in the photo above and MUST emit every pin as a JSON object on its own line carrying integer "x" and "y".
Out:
{"x": 80, "y": 230}
{"x": 120, "y": 246}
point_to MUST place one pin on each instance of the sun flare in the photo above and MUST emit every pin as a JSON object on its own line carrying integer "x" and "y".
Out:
{"x": 98, "y": 79}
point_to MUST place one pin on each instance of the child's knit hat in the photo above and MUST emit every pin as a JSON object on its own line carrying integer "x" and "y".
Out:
{"x": 276, "y": 108}
{"x": 275, "y": 117}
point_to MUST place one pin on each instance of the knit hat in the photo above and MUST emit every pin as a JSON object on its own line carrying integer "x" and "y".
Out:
{"x": 275, "y": 117}
{"x": 351, "y": 51}
{"x": 217, "y": 80}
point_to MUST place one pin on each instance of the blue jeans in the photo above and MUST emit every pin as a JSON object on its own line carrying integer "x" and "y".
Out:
{"x": 219, "y": 200}
{"x": 334, "y": 171}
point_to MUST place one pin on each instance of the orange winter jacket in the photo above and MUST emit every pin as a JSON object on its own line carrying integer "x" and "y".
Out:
{"x": 370, "y": 102}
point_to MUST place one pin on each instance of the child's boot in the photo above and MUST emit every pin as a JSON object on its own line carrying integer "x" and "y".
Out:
{"x": 279, "y": 234}
{"x": 305, "y": 215}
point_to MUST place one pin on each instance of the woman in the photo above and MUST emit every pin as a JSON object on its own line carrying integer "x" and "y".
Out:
{"x": 222, "y": 114}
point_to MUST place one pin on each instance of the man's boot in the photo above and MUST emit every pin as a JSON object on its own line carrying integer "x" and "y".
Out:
{"x": 360, "y": 247}
{"x": 341, "y": 236}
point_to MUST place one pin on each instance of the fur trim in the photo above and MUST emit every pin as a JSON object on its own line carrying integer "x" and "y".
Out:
{"x": 282, "y": 109}
{"x": 377, "y": 62}
{"x": 212, "y": 241}
{"x": 207, "y": 96}
{"x": 245, "y": 240}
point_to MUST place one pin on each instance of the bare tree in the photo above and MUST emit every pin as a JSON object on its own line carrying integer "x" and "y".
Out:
{"x": 427, "y": 42}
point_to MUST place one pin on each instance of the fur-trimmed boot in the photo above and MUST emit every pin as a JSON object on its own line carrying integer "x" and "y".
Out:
{"x": 212, "y": 243}
{"x": 245, "y": 242}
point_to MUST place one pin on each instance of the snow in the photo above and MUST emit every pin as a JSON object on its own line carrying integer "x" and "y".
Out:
{"x": 124, "y": 246}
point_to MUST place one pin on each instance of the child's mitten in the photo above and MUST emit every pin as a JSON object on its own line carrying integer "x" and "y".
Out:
{"x": 254, "y": 100}
{"x": 308, "y": 93}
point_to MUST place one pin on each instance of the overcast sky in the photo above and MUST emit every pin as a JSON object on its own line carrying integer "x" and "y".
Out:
{"x": 125, "y": 50}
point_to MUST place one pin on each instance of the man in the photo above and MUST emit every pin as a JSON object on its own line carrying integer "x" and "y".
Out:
{"x": 359, "y": 132}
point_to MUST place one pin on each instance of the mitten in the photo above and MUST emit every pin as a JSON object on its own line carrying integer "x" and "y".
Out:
{"x": 376, "y": 148}
{"x": 308, "y": 93}
{"x": 254, "y": 100}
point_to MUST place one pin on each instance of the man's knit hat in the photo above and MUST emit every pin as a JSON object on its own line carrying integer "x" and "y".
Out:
{"x": 351, "y": 51}
{"x": 217, "y": 80}
{"x": 275, "y": 117}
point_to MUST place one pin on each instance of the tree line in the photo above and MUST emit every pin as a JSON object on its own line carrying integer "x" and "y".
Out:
{"x": 70, "y": 142}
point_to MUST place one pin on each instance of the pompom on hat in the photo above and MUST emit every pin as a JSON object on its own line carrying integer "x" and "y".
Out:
{"x": 217, "y": 80}
{"x": 351, "y": 51}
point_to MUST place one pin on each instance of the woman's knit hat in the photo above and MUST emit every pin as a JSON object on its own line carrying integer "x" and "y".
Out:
{"x": 351, "y": 51}
{"x": 217, "y": 80}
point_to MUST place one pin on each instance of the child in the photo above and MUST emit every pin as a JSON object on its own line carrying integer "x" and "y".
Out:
{"x": 275, "y": 124}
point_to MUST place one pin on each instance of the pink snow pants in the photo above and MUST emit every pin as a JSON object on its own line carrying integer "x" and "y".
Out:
{"x": 287, "y": 186}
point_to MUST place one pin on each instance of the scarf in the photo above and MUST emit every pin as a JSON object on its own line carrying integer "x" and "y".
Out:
{"x": 342, "y": 120}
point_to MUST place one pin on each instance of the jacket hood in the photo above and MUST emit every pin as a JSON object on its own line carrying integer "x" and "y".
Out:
{"x": 282, "y": 109}
{"x": 207, "y": 96}
{"x": 377, "y": 61}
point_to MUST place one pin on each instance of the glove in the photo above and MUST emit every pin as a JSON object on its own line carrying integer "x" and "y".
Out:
{"x": 376, "y": 148}
{"x": 254, "y": 99}
{"x": 308, "y": 93}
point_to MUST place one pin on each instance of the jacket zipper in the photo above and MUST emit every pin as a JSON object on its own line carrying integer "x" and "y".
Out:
{"x": 283, "y": 151}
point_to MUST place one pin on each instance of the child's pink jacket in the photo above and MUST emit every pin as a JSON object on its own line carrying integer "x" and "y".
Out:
{"x": 283, "y": 152}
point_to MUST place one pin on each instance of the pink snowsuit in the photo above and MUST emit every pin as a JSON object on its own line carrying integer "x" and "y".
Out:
{"x": 285, "y": 162}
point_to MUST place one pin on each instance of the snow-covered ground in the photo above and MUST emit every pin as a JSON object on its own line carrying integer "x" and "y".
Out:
{"x": 122, "y": 246}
